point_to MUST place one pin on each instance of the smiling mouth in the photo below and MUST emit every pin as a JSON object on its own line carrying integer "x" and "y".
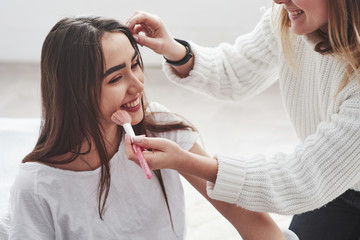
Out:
{"x": 131, "y": 104}
{"x": 295, "y": 13}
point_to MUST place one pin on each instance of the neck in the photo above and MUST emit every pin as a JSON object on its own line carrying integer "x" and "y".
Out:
{"x": 111, "y": 139}
{"x": 324, "y": 28}
{"x": 91, "y": 160}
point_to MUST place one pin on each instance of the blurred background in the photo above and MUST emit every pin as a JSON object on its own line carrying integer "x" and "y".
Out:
{"x": 252, "y": 127}
{"x": 25, "y": 24}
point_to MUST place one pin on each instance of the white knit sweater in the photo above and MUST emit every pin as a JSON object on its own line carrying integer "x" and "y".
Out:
{"x": 326, "y": 163}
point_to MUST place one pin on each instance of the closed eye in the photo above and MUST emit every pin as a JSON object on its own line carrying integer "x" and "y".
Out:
{"x": 114, "y": 80}
{"x": 137, "y": 63}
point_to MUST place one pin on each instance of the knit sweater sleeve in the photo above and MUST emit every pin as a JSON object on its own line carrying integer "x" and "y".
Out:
{"x": 236, "y": 71}
{"x": 321, "y": 168}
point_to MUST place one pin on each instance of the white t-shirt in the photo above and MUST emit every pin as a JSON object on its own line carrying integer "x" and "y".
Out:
{"x": 50, "y": 203}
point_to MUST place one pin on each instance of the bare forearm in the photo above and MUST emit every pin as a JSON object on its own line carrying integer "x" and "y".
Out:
{"x": 177, "y": 54}
{"x": 200, "y": 166}
{"x": 184, "y": 70}
{"x": 250, "y": 225}
{"x": 197, "y": 167}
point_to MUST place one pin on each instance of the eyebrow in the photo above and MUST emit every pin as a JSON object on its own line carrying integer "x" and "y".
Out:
{"x": 118, "y": 67}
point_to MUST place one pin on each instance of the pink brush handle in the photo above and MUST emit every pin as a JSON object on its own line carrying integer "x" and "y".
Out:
{"x": 142, "y": 160}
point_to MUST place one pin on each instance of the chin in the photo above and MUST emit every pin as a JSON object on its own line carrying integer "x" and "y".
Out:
{"x": 298, "y": 31}
{"x": 138, "y": 117}
{"x": 303, "y": 31}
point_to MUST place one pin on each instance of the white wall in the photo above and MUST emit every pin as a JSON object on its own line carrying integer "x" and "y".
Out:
{"x": 24, "y": 24}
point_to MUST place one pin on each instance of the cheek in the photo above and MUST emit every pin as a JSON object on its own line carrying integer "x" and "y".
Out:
{"x": 320, "y": 12}
{"x": 111, "y": 100}
{"x": 323, "y": 17}
{"x": 318, "y": 20}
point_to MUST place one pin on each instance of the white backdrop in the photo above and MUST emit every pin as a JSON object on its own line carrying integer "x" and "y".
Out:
{"x": 24, "y": 24}
{"x": 249, "y": 125}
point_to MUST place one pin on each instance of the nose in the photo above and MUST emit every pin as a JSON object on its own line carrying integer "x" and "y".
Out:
{"x": 281, "y": 1}
{"x": 136, "y": 84}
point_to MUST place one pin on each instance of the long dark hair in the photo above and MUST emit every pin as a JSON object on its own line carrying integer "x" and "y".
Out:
{"x": 72, "y": 67}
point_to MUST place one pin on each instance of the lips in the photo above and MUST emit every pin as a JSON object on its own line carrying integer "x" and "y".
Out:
{"x": 294, "y": 12}
{"x": 132, "y": 103}
{"x": 132, "y": 106}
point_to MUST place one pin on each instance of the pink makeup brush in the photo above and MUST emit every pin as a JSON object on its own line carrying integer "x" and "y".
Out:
{"x": 123, "y": 118}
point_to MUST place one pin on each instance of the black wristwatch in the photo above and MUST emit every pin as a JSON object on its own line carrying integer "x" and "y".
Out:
{"x": 187, "y": 56}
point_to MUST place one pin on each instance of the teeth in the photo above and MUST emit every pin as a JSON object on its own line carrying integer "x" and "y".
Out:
{"x": 295, "y": 13}
{"x": 132, "y": 104}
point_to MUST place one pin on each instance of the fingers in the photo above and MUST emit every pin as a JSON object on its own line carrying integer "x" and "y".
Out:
{"x": 154, "y": 143}
{"x": 152, "y": 43}
{"x": 129, "y": 150}
{"x": 137, "y": 29}
{"x": 154, "y": 159}
{"x": 149, "y": 156}
{"x": 149, "y": 31}
{"x": 142, "y": 18}
{"x": 165, "y": 153}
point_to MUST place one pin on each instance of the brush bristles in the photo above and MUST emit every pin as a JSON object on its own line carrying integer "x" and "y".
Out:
{"x": 121, "y": 117}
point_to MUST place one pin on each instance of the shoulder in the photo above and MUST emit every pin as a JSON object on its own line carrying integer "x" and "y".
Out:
{"x": 156, "y": 107}
{"x": 162, "y": 116}
{"x": 30, "y": 175}
{"x": 26, "y": 178}
{"x": 262, "y": 43}
{"x": 269, "y": 23}
{"x": 29, "y": 212}
{"x": 24, "y": 191}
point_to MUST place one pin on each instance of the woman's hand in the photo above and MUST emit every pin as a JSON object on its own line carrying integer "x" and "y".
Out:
{"x": 167, "y": 154}
{"x": 156, "y": 36}
{"x": 164, "y": 153}
{"x": 196, "y": 166}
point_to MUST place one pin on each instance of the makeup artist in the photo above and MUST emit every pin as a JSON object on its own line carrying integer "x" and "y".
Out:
{"x": 312, "y": 49}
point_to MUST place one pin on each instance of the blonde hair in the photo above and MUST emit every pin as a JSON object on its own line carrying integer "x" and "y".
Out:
{"x": 342, "y": 39}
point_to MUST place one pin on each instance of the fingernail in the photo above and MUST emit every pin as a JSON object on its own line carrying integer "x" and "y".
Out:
{"x": 136, "y": 38}
{"x": 137, "y": 139}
